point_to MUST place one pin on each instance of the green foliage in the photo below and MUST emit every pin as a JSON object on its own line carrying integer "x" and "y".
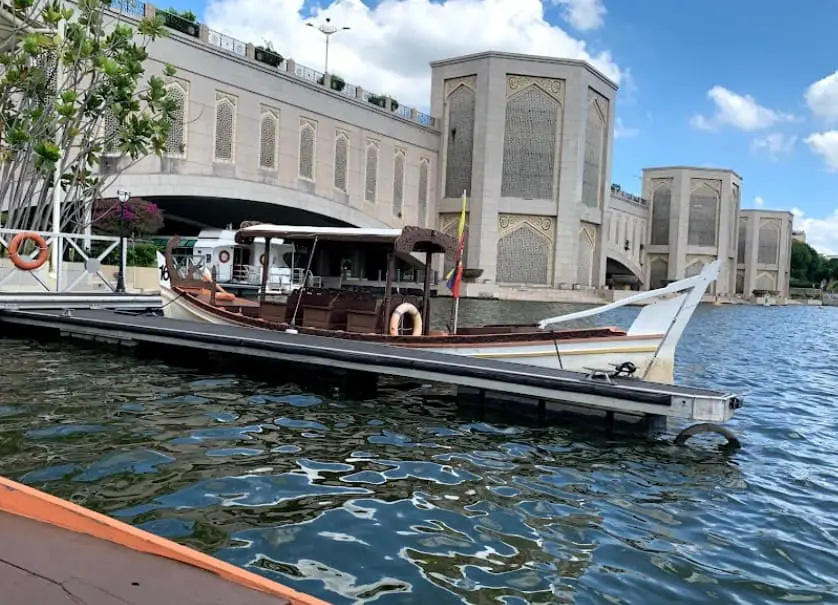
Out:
{"x": 809, "y": 267}
{"x": 72, "y": 88}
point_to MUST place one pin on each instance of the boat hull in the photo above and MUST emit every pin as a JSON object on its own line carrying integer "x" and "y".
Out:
{"x": 578, "y": 355}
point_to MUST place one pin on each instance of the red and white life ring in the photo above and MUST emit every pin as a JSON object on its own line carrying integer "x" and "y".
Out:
{"x": 223, "y": 256}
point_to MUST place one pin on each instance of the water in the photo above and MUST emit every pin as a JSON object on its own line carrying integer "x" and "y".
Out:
{"x": 405, "y": 500}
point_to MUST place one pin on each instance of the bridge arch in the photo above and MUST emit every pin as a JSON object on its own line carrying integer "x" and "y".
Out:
{"x": 622, "y": 267}
{"x": 168, "y": 186}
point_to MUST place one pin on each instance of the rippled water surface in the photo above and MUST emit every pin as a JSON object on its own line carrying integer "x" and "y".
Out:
{"x": 406, "y": 500}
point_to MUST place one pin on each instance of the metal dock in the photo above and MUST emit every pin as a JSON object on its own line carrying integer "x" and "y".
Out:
{"x": 362, "y": 363}
{"x": 80, "y": 300}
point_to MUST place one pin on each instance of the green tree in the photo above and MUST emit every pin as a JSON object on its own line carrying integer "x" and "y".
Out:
{"x": 809, "y": 267}
{"x": 73, "y": 86}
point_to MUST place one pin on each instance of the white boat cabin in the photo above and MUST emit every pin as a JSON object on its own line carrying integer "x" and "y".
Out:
{"x": 242, "y": 263}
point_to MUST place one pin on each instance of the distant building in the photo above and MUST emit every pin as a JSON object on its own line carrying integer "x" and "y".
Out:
{"x": 799, "y": 236}
{"x": 693, "y": 221}
{"x": 763, "y": 255}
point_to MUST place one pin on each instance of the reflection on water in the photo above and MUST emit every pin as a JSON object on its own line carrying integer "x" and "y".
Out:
{"x": 406, "y": 500}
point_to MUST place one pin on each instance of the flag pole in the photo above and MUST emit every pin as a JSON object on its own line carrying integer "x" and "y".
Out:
{"x": 458, "y": 266}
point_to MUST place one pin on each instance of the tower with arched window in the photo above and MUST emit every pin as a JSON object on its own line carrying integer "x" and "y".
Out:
{"x": 529, "y": 140}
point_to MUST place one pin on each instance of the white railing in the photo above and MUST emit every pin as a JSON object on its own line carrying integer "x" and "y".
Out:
{"x": 53, "y": 279}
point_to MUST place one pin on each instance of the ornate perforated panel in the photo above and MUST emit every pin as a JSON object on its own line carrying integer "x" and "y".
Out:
{"x": 704, "y": 212}
{"x": 460, "y": 144}
{"x": 743, "y": 240}
{"x": 268, "y": 139}
{"x": 661, "y": 205}
{"x": 767, "y": 280}
{"x": 594, "y": 147}
{"x": 398, "y": 182}
{"x": 449, "y": 223}
{"x": 587, "y": 245}
{"x": 658, "y": 271}
{"x": 525, "y": 249}
{"x": 176, "y": 139}
{"x": 694, "y": 268}
{"x": 768, "y": 247}
{"x": 424, "y": 165}
{"x": 225, "y": 127}
{"x": 308, "y": 140}
{"x": 529, "y": 144}
{"x": 341, "y": 161}
{"x": 371, "y": 173}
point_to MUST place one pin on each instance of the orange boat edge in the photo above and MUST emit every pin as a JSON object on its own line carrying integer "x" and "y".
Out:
{"x": 53, "y": 549}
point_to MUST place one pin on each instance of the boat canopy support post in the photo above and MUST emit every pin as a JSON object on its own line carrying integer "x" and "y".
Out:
{"x": 426, "y": 295}
{"x": 391, "y": 270}
{"x": 266, "y": 269}
{"x": 709, "y": 427}
{"x": 305, "y": 281}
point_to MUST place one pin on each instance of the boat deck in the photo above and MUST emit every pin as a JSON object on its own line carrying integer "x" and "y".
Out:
{"x": 623, "y": 395}
{"x": 42, "y": 564}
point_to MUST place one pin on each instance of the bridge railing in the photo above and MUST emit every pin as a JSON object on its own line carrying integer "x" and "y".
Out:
{"x": 271, "y": 58}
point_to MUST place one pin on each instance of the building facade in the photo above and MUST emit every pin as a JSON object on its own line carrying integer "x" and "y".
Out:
{"x": 693, "y": 220}
{"x": 528, "y": 140}
{"x": 763, "y": 255}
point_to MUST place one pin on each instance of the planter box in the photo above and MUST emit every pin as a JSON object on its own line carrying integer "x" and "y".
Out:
{"x": 268, "y": 57}
{"x": 181, "y": 24}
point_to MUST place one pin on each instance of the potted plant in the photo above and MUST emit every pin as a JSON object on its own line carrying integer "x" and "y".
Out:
{"x": 381, "y": 101}
{"x": 185, "y": 22}
{"x": 267, "y": 55}
{"x": 337, "y": 83}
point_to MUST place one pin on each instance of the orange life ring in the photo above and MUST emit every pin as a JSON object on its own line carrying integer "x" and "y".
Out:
{"x": 35, "y": 263}
{"x": 223, "y": 256}
{"x": 262, "y": 259}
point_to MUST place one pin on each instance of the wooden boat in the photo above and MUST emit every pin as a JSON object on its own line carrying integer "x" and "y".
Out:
{"x": 360, "y": 306}
{"x": 56, "y": 552}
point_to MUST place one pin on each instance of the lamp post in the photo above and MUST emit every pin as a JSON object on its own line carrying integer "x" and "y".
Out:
{"x": 123, "y": 197}
{"x": 328, "y": 30}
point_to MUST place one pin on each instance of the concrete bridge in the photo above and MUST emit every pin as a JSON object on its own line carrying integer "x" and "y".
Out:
{"x": 262, "y": 137}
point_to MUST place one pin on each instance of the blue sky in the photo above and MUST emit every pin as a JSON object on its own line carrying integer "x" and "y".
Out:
{"x": 758, "y": 57}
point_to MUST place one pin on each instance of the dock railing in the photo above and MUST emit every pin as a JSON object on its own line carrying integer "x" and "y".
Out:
{"x": 67, "y": 273}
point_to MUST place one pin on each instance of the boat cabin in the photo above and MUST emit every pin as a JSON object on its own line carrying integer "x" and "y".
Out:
{"x": 355, "y": 280}
{"x": 239, "y": 264}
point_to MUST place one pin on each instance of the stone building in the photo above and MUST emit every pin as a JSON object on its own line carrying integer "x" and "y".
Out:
{"x": 763, "y": 256}
{"x": 529, "y": 140}
{"x": 693, "y": 221}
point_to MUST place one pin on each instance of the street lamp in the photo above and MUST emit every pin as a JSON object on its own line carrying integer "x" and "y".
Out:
{"x": 123, "y": 197}
{"x": 328, "y": 30}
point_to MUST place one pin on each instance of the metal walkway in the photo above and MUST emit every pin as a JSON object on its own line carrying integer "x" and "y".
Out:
{"x": 621, "y": 395}
{"x": 79, "y": 300}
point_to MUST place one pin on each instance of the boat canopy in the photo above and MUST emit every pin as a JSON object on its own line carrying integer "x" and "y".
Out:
{"x": 406, "y": 240}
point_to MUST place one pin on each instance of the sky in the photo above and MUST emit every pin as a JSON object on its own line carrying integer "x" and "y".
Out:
{"x": 750, "y": 85}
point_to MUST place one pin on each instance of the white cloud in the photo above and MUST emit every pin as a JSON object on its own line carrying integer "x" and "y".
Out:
{"x": 584, "y": 15}
{"x": 759, "y": 202}
{"x": 623, "y": 132}
{"x": 389, "y": 46}
{"x": 776, "y": 144}
{"x": 825, "y": 144}
{"x": 738, "y": 111}
{"x": 822, "y": 97}
{"x": 821, "y": 233}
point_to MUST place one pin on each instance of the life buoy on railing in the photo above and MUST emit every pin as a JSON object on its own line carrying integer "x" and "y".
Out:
{"x": 35, "y": 263}
{"x": 396, "y": 317}
{"x": 262, "y": 260}
{"x": 223, "y": 256}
